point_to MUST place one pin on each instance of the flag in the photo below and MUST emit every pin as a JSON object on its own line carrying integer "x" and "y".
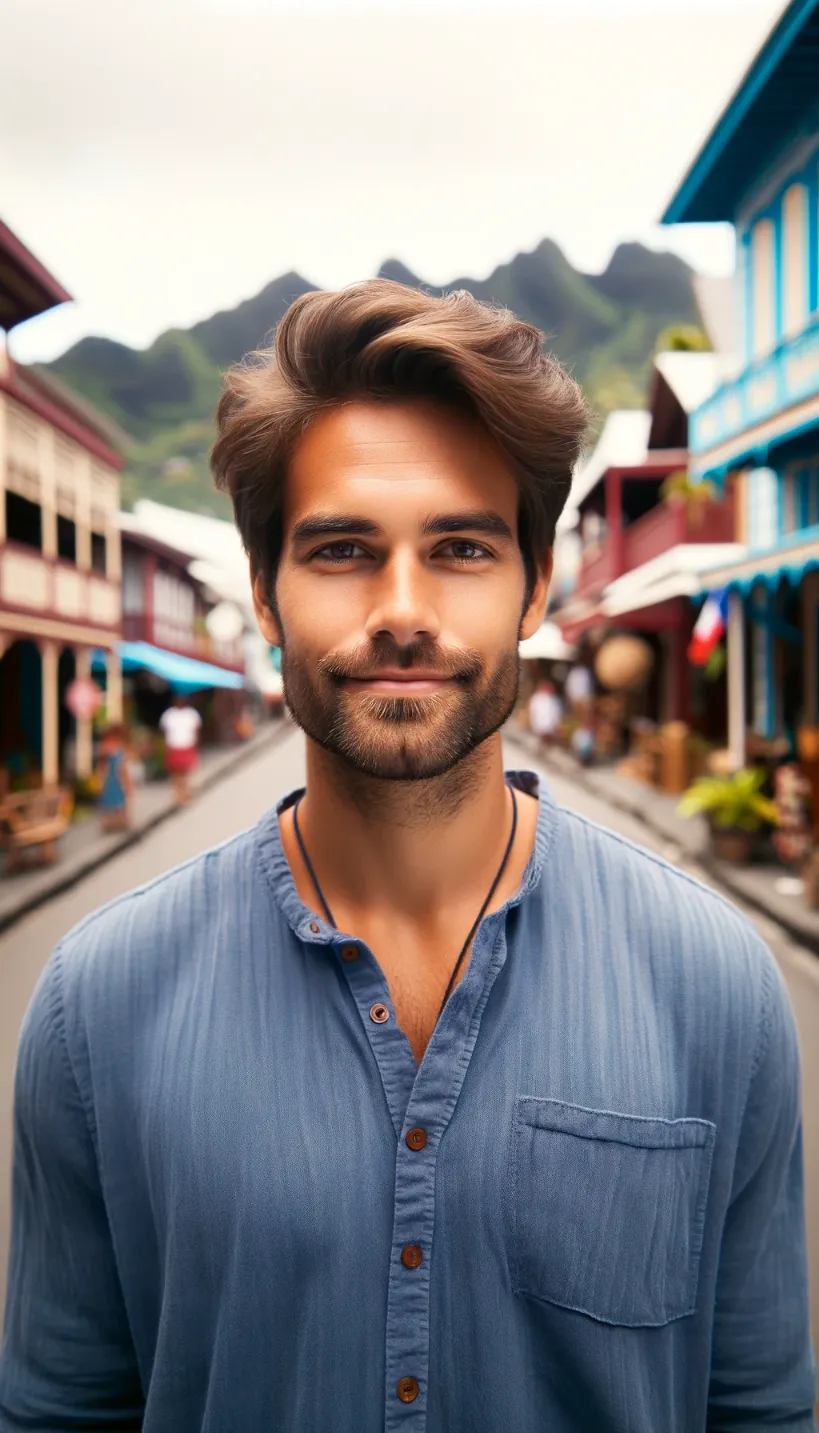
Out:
{"x": 709, "y": 627}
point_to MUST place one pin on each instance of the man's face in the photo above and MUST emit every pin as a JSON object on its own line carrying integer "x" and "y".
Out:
{"x": 400, "y": 591}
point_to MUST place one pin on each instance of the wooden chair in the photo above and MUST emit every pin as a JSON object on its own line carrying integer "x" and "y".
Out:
{"x": 34, "y": 820}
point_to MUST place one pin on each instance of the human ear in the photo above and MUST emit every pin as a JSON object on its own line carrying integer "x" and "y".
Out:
{"x": 268, "y": 622}
{"x": 536, "y": 607}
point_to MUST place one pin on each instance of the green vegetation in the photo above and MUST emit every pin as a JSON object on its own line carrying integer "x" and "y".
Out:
{"x": 604, "y": 327}
{"x": 732, "y": 801}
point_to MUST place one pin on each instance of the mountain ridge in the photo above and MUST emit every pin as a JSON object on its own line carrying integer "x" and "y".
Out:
{"x": 603, "y": 327}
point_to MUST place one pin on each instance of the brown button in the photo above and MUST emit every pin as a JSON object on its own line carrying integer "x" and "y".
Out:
{"x": 349, "y": 952}
{"x": 379, "y": 1013}
{"x": 416, "y": 1138}
{"x": 407, "y": 1389}
{"x": 411, "y": 1256}
{"x": 315, "y": 927}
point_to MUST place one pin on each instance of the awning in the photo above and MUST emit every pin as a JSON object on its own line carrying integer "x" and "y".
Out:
{"x": 790, "y": 560}
{"x": 675, "y": 573}
{"x": 547, "y": 644}
{"x": 185, "y": 672}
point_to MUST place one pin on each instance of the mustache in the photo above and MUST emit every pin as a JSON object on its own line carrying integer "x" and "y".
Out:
{"x": 369, "y": 658}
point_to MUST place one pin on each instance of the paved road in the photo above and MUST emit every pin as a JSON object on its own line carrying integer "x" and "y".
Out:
{"x": 237, "y": 803}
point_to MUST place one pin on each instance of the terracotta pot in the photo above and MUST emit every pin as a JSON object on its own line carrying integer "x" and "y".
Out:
{"x": 731, "y": 843}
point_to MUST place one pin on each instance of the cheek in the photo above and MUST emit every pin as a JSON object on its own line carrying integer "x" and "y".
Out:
{"x": 316, "y": 616}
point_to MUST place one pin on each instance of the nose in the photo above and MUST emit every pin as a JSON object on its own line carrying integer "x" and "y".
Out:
{"x": 404, "y": 605}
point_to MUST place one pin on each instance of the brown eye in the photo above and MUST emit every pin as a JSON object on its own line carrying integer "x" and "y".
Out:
{"x": 464, "y": 551}
{"x": 339, "y": 552}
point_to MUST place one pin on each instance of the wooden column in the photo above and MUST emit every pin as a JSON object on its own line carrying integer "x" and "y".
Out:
{"x": 810, "y": 592}
{"x": 736, "y": 680}
{"x": 113, "y": 696}
{"x": 614, "y": 522}
{"x": 47, "y": 462}
{"x": 84, "y": 727}
{"x": 3, "y": 459}
{"x": 49, "y": 656}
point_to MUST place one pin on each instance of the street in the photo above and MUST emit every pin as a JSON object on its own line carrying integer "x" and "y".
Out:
{"x": 237, "y": 802}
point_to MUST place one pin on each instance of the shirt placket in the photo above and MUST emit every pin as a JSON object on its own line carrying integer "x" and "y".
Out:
{"x": 421, "y": 1102}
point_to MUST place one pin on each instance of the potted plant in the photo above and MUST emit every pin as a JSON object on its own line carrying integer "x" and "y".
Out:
{"x": 735, "y": 808}
{"x": 678, "y": 490}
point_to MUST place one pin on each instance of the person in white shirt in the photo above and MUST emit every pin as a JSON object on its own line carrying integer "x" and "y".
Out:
{"x": 180, "y": 726}
{"x": 545, "y": 712}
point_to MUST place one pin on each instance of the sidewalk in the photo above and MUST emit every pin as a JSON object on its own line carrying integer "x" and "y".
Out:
{"x": 84, "y": 846}
{"x": 762, "y": 886}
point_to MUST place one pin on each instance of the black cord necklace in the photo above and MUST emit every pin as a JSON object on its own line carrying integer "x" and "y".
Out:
{"x": 479, "y": 917}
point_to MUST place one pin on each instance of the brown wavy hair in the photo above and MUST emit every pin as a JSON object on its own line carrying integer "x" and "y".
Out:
{"x": 381, "y": 340}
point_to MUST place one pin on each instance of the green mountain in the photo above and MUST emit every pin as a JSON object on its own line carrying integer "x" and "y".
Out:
{"x": 604, "y": 327}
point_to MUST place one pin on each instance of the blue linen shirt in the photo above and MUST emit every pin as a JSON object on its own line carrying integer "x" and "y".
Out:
{"x": 220, "y": 1157}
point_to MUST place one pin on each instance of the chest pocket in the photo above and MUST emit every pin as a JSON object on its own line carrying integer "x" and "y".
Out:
{"x": 607, "y": 1211}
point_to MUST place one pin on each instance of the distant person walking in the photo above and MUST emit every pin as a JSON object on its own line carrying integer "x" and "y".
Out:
{"x": 545, "y": 712}
{"x": 115, "y": 796}
{"x": 181, "y": 725}
{"x": 579, "y": 686}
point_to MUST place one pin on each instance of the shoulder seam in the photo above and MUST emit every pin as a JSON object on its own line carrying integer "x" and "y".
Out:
{"x": 202, "y": 857}
{"x": 58, "y": 1000}
{"x": 660, "y": 863}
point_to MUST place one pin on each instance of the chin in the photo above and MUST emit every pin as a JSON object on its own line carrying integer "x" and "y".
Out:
{"x": 405, "y": 748}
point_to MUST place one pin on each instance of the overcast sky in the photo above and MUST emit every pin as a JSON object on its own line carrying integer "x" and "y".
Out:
{"x": 167, "y": 158}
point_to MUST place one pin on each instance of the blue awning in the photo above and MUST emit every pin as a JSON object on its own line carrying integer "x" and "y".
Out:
{"x": 790, "y": 560}
{"x": 182, "y": 672}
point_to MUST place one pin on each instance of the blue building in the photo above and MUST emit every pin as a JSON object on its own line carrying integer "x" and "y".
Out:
{"x": 759, "y": 431}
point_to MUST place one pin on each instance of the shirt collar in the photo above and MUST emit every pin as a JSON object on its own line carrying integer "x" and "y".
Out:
{"x": 309, "y": 926}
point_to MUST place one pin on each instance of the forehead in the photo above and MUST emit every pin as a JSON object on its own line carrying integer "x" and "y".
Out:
{"x": 370, "y": 455}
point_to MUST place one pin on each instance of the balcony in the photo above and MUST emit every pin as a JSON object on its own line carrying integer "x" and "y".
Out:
{"x": 185, "y": 641}
{"x": 769, "y": 386}
{"x": 665, "y": 526}
{"x": 45, "y": 587}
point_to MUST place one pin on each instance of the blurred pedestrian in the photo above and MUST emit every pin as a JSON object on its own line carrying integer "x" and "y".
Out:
{"x": 545, "y": 712}
{"x": 114, "y": 776}
{"x": 579, "y": 686}
{"x": 180, "y": 726}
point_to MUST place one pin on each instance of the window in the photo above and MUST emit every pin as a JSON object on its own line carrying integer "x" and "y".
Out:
{"x": 762, "y": 491}
{"x": 66, "y": 539}
{"x": 99, "y": 548}
{"x": 763, "y": 308}
{"x": 24, "y": 521}
{"x": 794, "y": 260}
{"x": 133, "y": 586}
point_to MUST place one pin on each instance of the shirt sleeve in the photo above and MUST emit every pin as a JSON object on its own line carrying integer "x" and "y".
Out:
{"x": 67, "y": 1360}
{"x": 763, "y": 1371}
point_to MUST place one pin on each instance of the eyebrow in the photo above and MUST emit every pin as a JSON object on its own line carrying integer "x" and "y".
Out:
{"x": 330, "y": 525}
{"x": 327, "y": 525}
{"x": 479, "y": 520}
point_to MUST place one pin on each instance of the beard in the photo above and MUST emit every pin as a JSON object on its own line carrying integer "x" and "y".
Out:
{"x": 395, "y": 738}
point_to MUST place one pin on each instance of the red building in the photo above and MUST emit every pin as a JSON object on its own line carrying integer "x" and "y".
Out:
{"x": 168, "y": 642}
{"x": 59, "y": 544}
{"x": 642, "y": 549}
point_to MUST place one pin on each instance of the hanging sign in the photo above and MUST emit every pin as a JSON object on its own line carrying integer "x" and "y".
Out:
{"x": 83, "y": 698}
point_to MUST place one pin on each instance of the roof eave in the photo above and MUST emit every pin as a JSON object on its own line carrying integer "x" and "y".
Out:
{"x": 680, "y": 207}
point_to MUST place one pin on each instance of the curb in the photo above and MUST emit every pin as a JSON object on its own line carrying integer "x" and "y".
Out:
{"x": 717, "y": 873}
{"x": 72, "y": 877}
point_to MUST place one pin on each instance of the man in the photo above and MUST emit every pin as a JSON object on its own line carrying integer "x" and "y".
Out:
{"x": 180, "y": 725}
{"x": 425, "y": 1104}
{"x": 545, "y": 712}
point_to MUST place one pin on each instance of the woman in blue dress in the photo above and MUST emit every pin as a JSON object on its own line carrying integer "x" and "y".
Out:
{"x": 115, "y": 794}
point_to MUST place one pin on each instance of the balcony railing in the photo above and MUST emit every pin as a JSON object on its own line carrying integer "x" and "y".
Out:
{"x": 664, "y": 527}
{"x": 186, "y": 641}
{"x": 45, "y": 587}
{"x": 786, "y": 376}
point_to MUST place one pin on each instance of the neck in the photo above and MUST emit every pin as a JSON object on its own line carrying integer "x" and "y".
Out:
{"x": 406, "y": 845}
